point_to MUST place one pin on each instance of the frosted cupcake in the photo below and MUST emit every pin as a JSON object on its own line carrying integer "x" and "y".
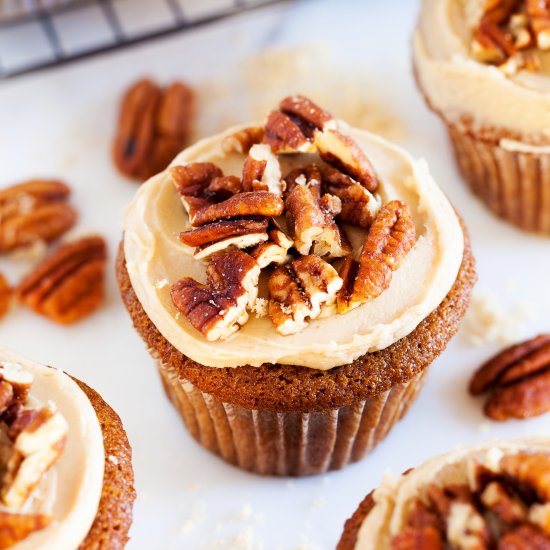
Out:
{"x": 67, "y": 478}
{"x": 483, "y": 67}
{"x": 294, "y": 281}
{"x": 494, "y": 495}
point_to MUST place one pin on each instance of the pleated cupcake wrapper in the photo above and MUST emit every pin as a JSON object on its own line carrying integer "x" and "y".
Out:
{"x": 288, "y": 443}
{"x": 514, "y": 185}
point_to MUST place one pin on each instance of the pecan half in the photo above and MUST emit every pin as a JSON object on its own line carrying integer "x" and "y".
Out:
{"x": 219, "y": 308}
{"x": 19, "y": 381}
{"x": 539, "y": 15}
{"x": 291, "y": 129}
{"x": 261, "y": 171}
{"x": 313, "y": 227}
{"x": 298, "y": 290}
{"x": 359, "y": 206}
{"x": 389, "y": 240}
{"x": 69, "y": 284}
{"x": 275, "y": 250}
{"x": 530, "y": 469}
{"x": 242, "y": 141}
{"x": 5, "y": 296}
{"x": 250, "y": 204}
{"x": 517, "y": 379}
{"x": 342, "y": 152}
{"x": 17, "y": 527}
{"x": 218, "y": 236}
{"x": 310, "y": 177}
{"x": 154, "y": 125}
{"x": 35, "y": 210}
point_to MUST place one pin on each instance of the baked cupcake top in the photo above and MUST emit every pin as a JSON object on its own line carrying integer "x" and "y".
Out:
{"x": 485, "y": 64}
{"x": 52, "y": 457}
{"x": 474, "y": 497}
{"x": 317, "y": 242}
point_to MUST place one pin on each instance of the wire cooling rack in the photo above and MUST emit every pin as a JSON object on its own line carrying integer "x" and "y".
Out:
{"x": 34, "y": 34}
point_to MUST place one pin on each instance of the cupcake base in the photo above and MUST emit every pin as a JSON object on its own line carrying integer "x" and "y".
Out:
{"x": 114, "y": 514}
{"x": 288, "y": 443}
{"x": 515, "y": 185}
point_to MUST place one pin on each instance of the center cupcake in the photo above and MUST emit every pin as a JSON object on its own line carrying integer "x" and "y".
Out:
{"x": 294, "y": 281}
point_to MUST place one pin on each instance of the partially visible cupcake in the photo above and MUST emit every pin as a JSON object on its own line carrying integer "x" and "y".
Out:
{"x": 494, "y": 495}
{"x": 294, "y": 280}
{"x": 484, "y": 68}
{"x": 67, "y": 477}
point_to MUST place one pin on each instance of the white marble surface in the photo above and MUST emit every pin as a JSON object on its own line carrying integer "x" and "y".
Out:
{"x": 60, "y": 123}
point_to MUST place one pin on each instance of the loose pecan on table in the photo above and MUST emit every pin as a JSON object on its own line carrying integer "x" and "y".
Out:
{"x": 220, "y": 307}
{"x": 154, "y": 126}
{"x": 517, "y": 380}
{"x": 389, "y": 240}
{"x": 35, "y": 210}
{"x": 69, "y": 284}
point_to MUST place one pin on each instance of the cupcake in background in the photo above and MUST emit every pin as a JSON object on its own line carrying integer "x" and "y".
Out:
{"x": 493, "y": 495}
{"x": 483, "y": 66}
{"x": 294, "y": 280}
{"x": 66, "y": 462}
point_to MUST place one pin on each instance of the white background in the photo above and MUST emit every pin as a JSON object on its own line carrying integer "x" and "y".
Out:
{"x": 60, "y": 123}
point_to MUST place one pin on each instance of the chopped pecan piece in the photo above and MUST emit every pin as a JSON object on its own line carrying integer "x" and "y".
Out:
{"x": 530, "y": 469}
{"x": 221, "y": 235}
{"x": 343, "y": 153}
{"x": 498, "y": 11}
{"x": 242, "y": 141}
{"x": 154, "y": 125}
{"x": 359, "y": 206}
{"x": 250, "y": 204}
{"x": 496, "y": 498}
{"x": 291, "y": 129}
{"x": 224, "y": 187}
{"x": 298, "y": 290}
{"x": 310, "y": 177}
{"x": 69, "y": 284}
{"x": 418, "y": 538}
{"x": 539, "y": 15}
{"x": 5, "y": 296}
{"x": 539, "y": 515}
{"x": 517, "y": 379}
{"x": 389, "y": 240}
{"x": 16, "y": 527}
{"x": 491, "y": 45}
{"x": 313, "y": 227}
{"x": 20, "y": 382}
{"x": 261, "y": 171}
{"x": 219, "y": 308}
{"x": 275, "y": 250}
{"x": 36, "y": 210}
{"x": 36, "y": 448}
{"x": 524, "y": 537}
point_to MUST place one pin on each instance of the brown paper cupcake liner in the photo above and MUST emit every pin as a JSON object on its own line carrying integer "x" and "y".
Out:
{"x": 514, "y": 185}
{"x": 288, "y": 443}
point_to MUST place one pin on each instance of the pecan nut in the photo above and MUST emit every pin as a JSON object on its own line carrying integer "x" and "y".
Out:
{"x": 16, "y": 527}
{"x": 539, "y": 15}
{"x": 517, "y": 380}
{"x": 69, "y": 284}
{"x": 218, "y": 236}
{"x": 35, "y": 210}
{"x": 5, "y": 296}
{"x": 261, "y": 171}
{"x": 243, "y": 140}
{"x": 313, "y": 227}
{"x": 154, "y": 125}
{"x": 298, "y": 291}
{"x": 219, "y": 308}
{"x": 530, "y": 469}
{"x": 275, "y": 250}
{"x": 342, "y": 152}
{"x": 310, "y": 176}
{"x": 389, "y": 240}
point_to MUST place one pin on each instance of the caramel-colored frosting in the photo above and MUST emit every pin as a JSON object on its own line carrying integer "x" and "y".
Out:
{"x": 71, "y": 490}
{"x": 395, "y": 495}
{"x": 465, "y": 90}
{"x": 156, "y": 259}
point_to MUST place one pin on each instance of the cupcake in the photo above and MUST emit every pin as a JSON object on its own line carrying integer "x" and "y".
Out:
{"x": 494, "y": 495}
{"x": 293, "y": 281}
{"x": 67, "y": 478}
{"x": 483, "y": 67}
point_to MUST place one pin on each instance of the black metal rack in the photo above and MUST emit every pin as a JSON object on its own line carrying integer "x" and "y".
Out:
{"x": 39, "y": 20}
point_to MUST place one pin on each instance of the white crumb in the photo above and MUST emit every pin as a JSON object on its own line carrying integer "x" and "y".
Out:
{"x": 197, "y": 516}
{"x": 243, "y": 540}
{"x": 317, "y": 502}
{"x": 326, "y": 480}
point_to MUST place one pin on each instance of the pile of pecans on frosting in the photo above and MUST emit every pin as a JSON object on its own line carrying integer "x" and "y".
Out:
{"x": 32, "y": 440}
{"x": 510, "y": 32}
{"x": 504, "y": 506}
{"x": 291, "y": 225}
